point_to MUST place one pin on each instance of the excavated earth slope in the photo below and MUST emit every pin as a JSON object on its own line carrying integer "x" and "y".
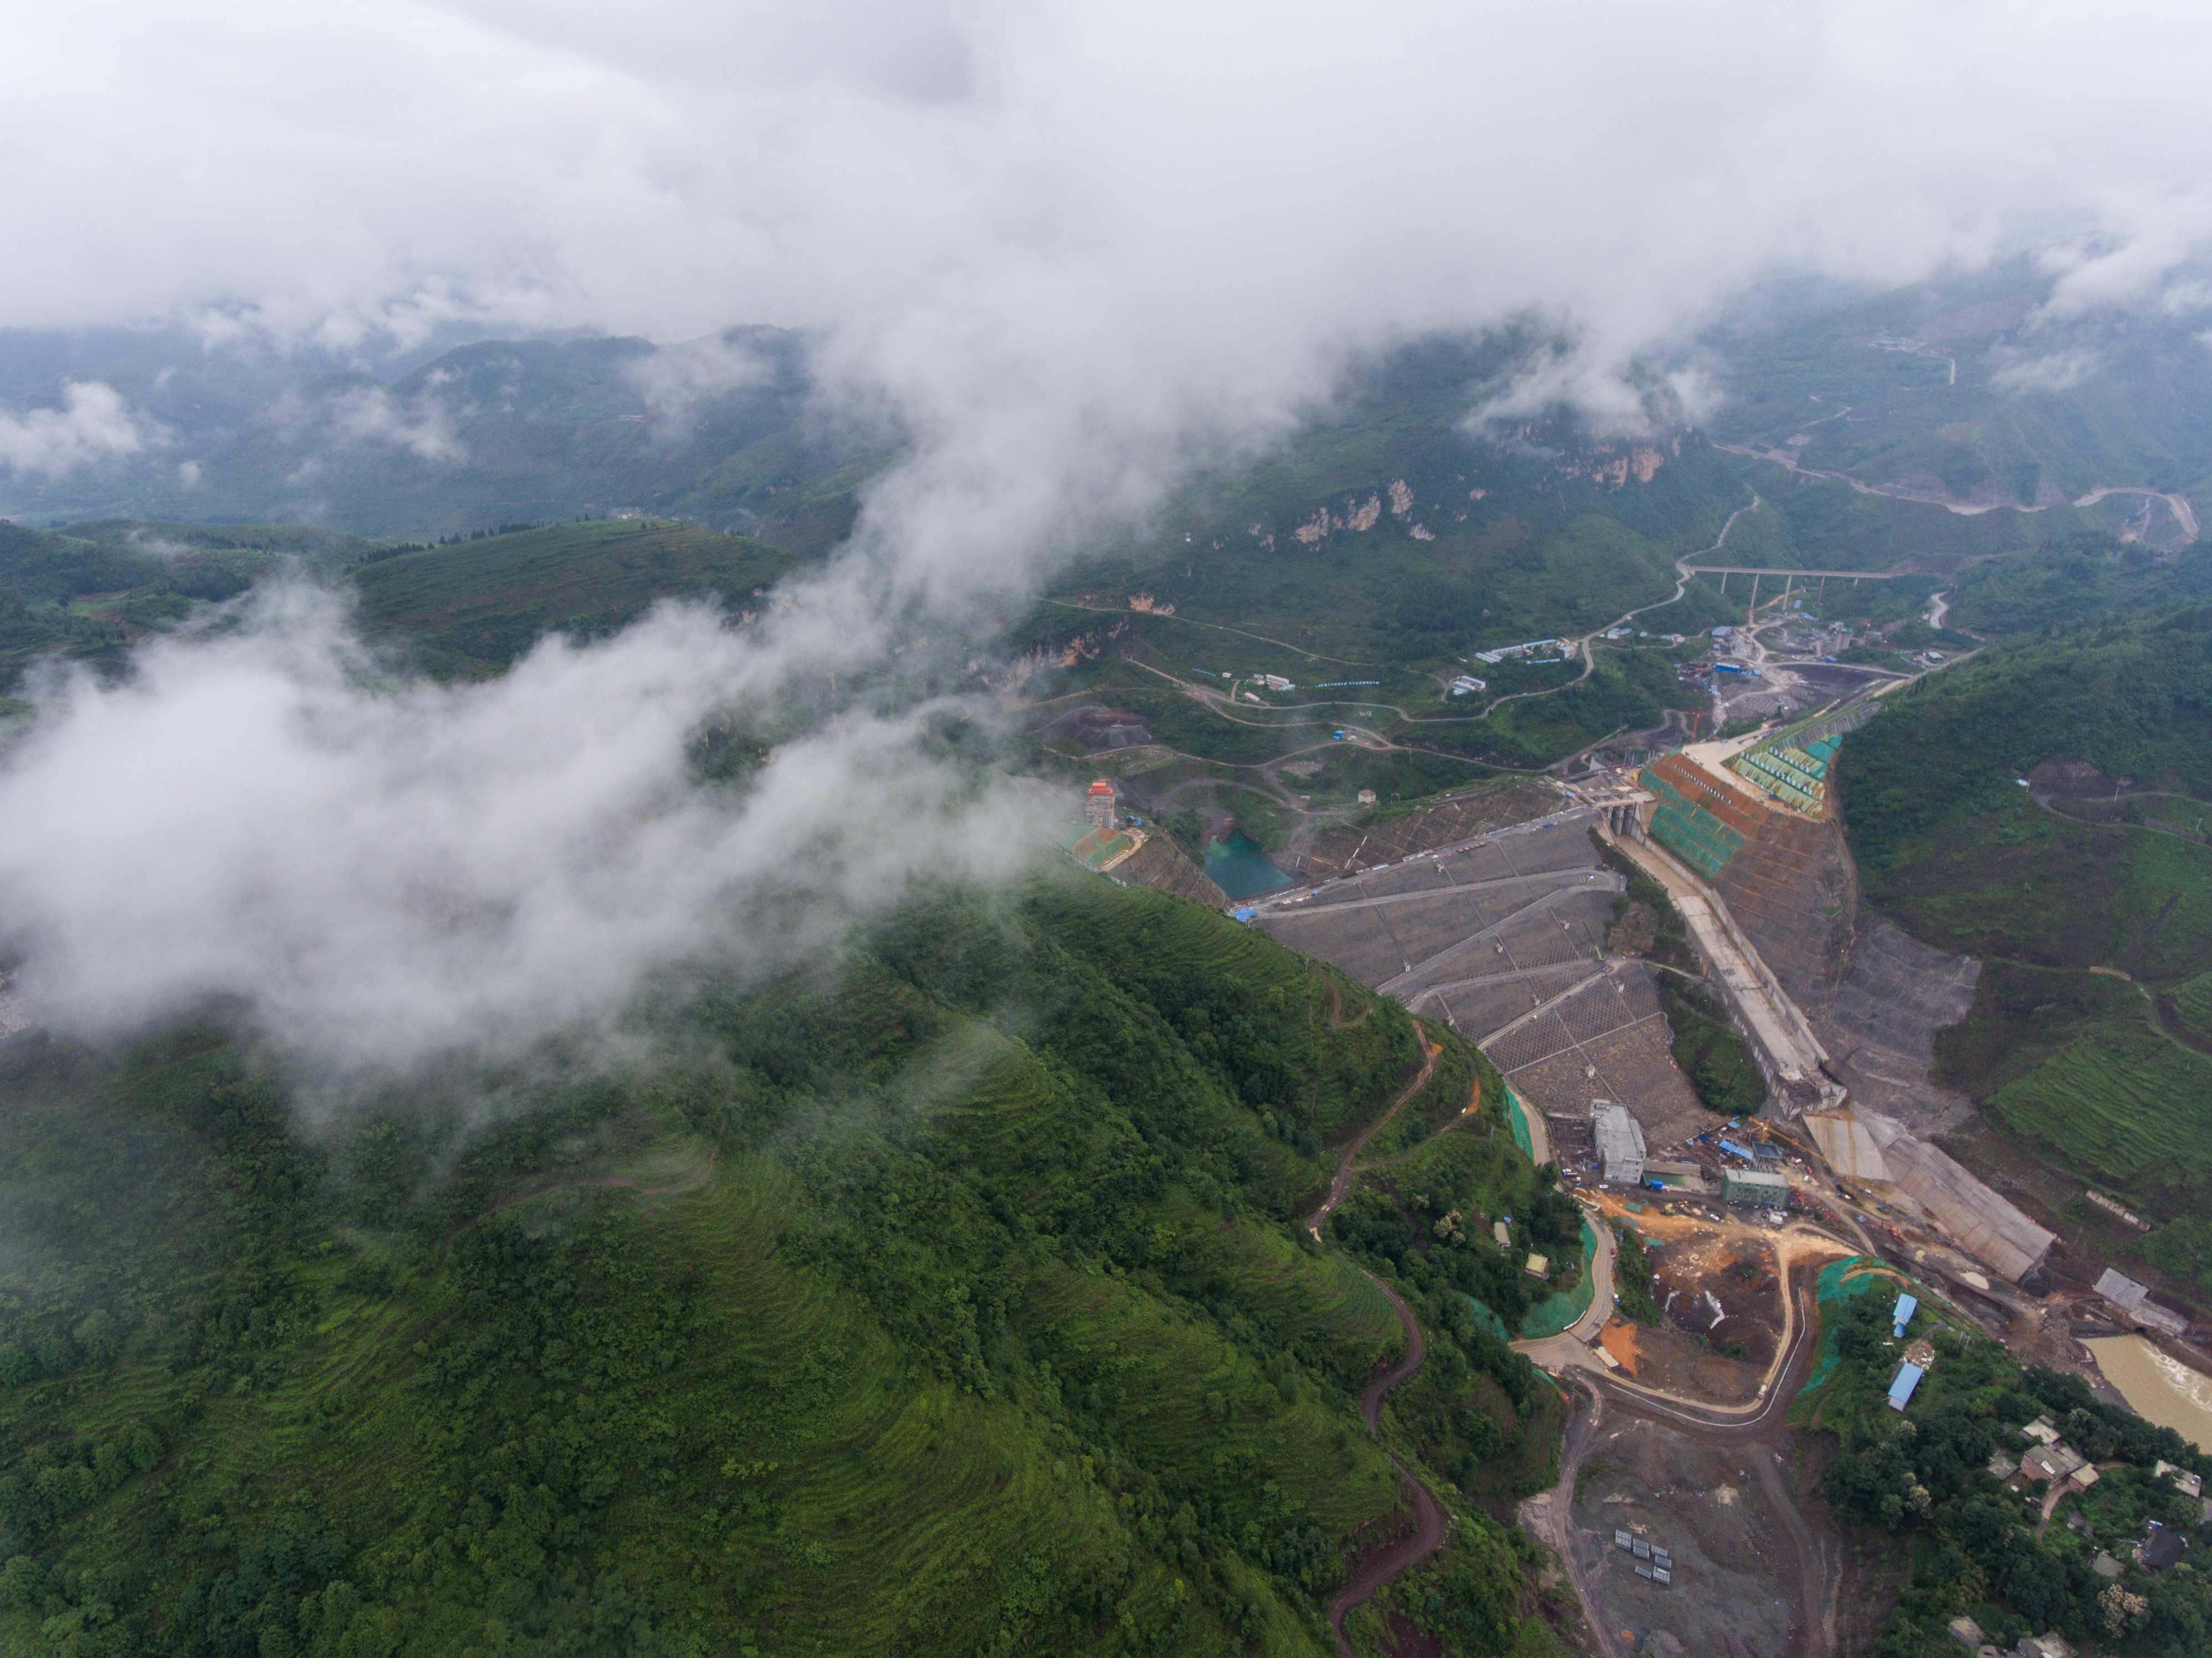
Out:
{"x": 1874, "y": 997}
{"x": 1160, "y": 863}
{"x": 1344, "y": 851}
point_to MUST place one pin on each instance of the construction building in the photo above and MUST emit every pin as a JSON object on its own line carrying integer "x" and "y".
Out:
{"x": 2131, "y": 1298}
{"x": 1099, "y": 808}
{"x": 2190, "y": 1484}
{"x": 1620, "y": 1143}
{"x": 1754, "y": 1185}
{"x": 1797, "y": 776}
{"x": 1900, "y": 1390}
{"x": 1901, "y": 1315}
{"x": 1675, "y": 1177}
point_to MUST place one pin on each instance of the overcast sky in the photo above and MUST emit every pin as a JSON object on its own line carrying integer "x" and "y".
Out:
{"x": 1076, "y": 239}
{"x": 1076, "y": 246}
{"x": 1230, "y": 183}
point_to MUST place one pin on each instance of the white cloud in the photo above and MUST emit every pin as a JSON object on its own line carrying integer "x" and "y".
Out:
{"x": 1071, "y": 249}
{"x": 675, "y": 380}
{"x": 1149, "y": 225}
{"x": 93, "y": 424}
{"x": 374, "y": 418}
{"x": 388, "y": 871}
{"x": 2054, "y": 372}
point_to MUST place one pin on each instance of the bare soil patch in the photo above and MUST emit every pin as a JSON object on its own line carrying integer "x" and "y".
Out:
{"x": 1736, "y": 1587}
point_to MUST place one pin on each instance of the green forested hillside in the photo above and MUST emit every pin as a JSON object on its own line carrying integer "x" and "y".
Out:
{"x": 1935, "y": 384}
{"x": 1382, "y": 534}
{"x": 1376, "y": 550}
{"x": 88, "y": 594}
{"x": 955, "y": 1303}
{"x": 2105, "y": 1072}
{"x": 2060, "y": 583}
{"x": 1974, "y": 1548}
{"x": 475, "y": 605}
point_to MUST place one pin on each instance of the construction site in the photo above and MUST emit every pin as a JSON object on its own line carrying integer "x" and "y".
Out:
{"x": 1503, "y": 934}
{"x": 1746, "y": 828}
{"x": 1682, "y": 1515}
{"x": 1504, "y": 937}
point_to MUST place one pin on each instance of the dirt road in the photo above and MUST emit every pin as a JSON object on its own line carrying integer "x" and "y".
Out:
{"x": 1762, "y": 1434}
{"x": 1344, "y": 1170}
{"x": 1429, "y": 1521}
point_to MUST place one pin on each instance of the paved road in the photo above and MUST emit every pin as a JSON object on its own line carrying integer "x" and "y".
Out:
{"x": 1594, "y": 1317}
{"x": 1791, "y": 1049}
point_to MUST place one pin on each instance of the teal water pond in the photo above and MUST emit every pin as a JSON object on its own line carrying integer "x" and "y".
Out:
{"x": 1239, "y": 869}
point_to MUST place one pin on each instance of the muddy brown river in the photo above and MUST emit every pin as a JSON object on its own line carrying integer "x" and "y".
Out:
{"x": 2159, "y": 1388}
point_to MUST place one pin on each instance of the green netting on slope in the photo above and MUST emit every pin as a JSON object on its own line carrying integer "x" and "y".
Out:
{"x": 1678, "y": 828}
{"x": 1795, "y": 776}
{"x": 1515, "y": 1115}
{"x": 1488, "y": 1320}
{"x": 1689, "y": 830}
{"x": 1836, "y": 1281}
{"x": 1555, "y": 1312}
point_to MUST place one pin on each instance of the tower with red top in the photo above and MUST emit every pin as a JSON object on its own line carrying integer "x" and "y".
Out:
{"x": 1101, "y": 806}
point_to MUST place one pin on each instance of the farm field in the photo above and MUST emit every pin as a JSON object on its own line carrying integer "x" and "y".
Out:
{"x": 2126, "y": 1106}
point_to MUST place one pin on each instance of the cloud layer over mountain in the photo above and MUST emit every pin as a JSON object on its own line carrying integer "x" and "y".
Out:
{"x": 1070, "y": 236}
{"x": 390, "y": 874}
{"x": 1072, "y": 249}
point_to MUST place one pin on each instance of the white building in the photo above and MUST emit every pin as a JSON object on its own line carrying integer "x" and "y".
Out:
{"x": 1620, "y": 1143}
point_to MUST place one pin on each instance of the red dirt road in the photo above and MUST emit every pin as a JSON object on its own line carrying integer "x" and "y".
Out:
{"x": 1428, "y": 1535}
{"x": 1342, "y": 1183}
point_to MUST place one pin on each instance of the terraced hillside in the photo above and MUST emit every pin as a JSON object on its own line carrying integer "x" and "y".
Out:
{"x": 1984, "y": 808}
{"x": 953, "y": 1304}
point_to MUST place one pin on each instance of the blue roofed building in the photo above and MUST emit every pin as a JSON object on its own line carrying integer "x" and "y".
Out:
{"x": 1908, "y": 1378}
{"x": 1907, "y": 1307}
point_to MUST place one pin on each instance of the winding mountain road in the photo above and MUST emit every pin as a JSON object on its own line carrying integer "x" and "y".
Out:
{"x": 1430, "y": 1521}
{"x": 2184, "y": 511}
